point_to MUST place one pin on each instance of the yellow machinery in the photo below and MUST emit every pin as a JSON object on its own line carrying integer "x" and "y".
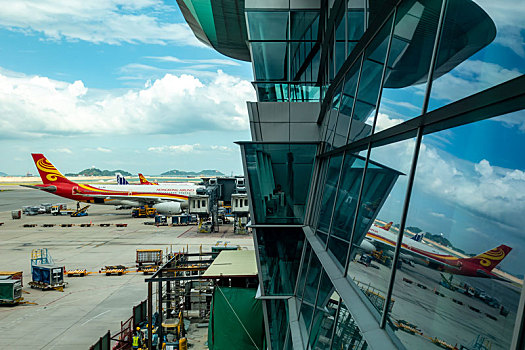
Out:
{"x": 144, "y": 212}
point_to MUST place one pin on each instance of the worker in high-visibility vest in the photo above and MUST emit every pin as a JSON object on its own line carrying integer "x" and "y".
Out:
{"x": 135, "y": 340}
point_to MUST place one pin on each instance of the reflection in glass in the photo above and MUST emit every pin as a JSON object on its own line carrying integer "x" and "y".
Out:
{"x": 278, "y": 196}
{"x": 324, "y": 316}
{"x": 347, "y": 335}
{"x": 465, "y": 232}
{"x": 278, "y": 321}
{"x": 482, "y": 45}
{"x": 327, "y": 202}
{"x": 268, "y": 25}
{"x": 408, "y": 62}
{"x": 369, "y": 84}
{"x": 270, "y": 60}
{"x": 280, "y": 252}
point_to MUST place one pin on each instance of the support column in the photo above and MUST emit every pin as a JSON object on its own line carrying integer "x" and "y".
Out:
{"x": 159, "y": 330}
{"x": 150, "y": 311}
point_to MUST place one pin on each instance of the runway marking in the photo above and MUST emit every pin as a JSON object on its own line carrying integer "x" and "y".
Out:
{"x": 92, "y": 318}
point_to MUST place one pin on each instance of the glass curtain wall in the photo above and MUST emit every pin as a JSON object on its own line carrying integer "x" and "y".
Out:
{"x": 285, "y": 51}
{"x": 461, "y": 240}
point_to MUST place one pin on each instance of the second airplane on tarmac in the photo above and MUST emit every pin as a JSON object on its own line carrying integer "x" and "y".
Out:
{"x": 168, "y": 200}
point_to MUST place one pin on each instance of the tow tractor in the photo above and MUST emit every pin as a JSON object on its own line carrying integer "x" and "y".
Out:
{"x": 143, "y": 212}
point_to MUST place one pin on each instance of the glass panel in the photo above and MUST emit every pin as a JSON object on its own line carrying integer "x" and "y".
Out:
{"x": 310, "y": 290}
{"x": 483, "y": 44}
{"x": 269, "y": 61}
{"x": 464, "y": 243}
{"x": 279, "y": 197}
{"x": 368, "y": 90}
{"x": 278, "y": 321}
{"x": 280, "y": 252}
{"x": 327, "y": 202}
{"x": 304, "y": 64}
{"x": 332, "y": 121}
{"x": 304, "y": 25}
{"x": 347, "y": 335}
{"x": 305, "y": 93}
{"x": 382, "y": 201}
{"x": 302, "y": 277}
{"x": 348, "y": 193}
{"x": 355, "y": 21}
{"x": 338, "y": 249}
{"x": 347, "y": 102}
{"x": 267, "y": 25}
{"x": 323, "y": 320}
{"x": 267, "y": 92}
{"x": 408, "y": 63}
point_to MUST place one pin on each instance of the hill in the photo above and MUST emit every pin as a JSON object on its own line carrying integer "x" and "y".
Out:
{"x": 206, "y": 172}
{"x": 98, "y": 172}
{"x": 2, "y": 174}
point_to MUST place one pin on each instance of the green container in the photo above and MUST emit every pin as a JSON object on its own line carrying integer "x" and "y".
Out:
{"x": 10, "y": 290}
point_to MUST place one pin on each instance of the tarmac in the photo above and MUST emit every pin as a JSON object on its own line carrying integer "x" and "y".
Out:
{"x": 89, "y": 306}
{"x": 438, "y": 312}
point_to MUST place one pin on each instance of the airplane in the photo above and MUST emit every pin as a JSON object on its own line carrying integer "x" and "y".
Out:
{"x": 414, "y": 250}
{"x": 167, "y": 200}
{"x": 144, "y": 181}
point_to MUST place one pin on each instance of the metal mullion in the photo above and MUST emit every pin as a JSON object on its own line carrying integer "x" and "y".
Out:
{"x": 315, "y": 305}
{"x": 335, "y": 322}
{"x": 354, "y": 100}
{"x": 301, "y": 263}
{"x": 383, "y": 73}
{"x": 335, "y": 200}
{"x": 305, "y": 279}
{"x": 356, "y": 216}
{"x": 413, "y": 167}
{"x": 350, "y": 61}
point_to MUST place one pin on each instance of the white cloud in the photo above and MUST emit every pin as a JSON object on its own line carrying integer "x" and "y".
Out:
{"x": 211, "y": 61}
{"x": 37, "y": 106}
{"x": 508, "y": 17}
{"x": 470, "y": 77}
{"x": 438, "y": 215}
{"x": 186, "y": 148}
{"x": 63, "y": 150}
{"x": 97, "y": 21}
{"x": 487, "y": 191}
{"x": 103, "y": 150}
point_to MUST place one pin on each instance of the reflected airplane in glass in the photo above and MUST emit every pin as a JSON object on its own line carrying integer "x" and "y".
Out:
{"x": 379, "y": 238}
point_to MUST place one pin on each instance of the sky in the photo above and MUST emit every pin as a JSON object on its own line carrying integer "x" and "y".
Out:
{"x": 116, "y": 84}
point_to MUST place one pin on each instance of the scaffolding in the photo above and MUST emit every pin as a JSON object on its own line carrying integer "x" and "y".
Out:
{"x": 177, "y": 292}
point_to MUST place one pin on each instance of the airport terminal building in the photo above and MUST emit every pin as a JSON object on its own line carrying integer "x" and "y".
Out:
{"x": 405, "y": 111}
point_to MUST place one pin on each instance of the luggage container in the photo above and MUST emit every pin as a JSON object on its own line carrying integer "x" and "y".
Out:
{"x": 47, "y": 276}
{"x": 148, "y": 259}
{"x": 16, "y": 214}
{"x": 10, "y": 290}
{"x": 13, "y": 275}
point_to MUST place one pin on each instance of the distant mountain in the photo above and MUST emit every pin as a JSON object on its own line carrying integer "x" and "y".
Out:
{"x": 206, "y": 172}
{"x": 98, "y": 172}
{"x": 2, "y": 174}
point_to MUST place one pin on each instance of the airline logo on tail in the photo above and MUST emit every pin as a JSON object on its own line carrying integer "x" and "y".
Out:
{"x": 47, "y": 171}
{"x": 387, "y": 226}
{"x": 144, "y": 181}
{"x": 491, "y": 258}
{"x": 121, "y": 180}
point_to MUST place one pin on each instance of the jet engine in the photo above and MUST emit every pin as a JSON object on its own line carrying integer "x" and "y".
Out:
{"x": 168, "y": 208}
{"x": 367, "y": 246}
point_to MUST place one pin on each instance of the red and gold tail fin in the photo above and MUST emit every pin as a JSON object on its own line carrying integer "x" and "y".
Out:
{"x": 143, "y": 180}
{"x": 48, "y": 173}
{"x": 387, "y": 226}
{"x": 491, "y": 258}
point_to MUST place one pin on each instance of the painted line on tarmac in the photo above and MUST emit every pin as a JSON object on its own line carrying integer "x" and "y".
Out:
{"x": 92, "y": 318}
